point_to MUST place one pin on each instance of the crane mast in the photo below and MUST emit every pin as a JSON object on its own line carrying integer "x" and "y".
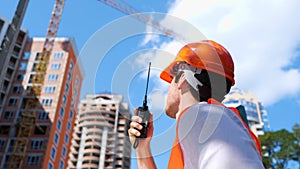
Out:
{"x": 28, "y": 118}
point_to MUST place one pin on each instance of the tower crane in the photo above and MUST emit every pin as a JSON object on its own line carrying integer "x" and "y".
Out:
{"x": 129, "y": 10}
{"x": 28, "y": 118}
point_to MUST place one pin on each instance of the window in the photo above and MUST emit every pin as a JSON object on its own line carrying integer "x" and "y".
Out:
{"x": 66, "y": 138}
{"x": 58, "y": 55}
{"x": 36, "y": 144}
{"x": 53, "y": 153}
{"x": 4, "y": 129}
{"x": 50, "y": 89}
{"x": 12, "y": 102}
{"x": 64, "y": 151}
{"x": 69, "y": 76}
{"x": 58, "y": 124}
{"x": 77, "y": 81}
{"x": 37, "y": 56}
{"x": 67, "y": 88}
{"x": 52, "y": 77}
{"x": 28, "y": 90}
{"x": 61, "y": 164}
{"x": 8, "y": 114}
{"x": 31, "y": 78}
{"x": 50, "y": 165}
{"x": 23, "y": 66}
{"x": 56, "y": 138}
{"x": 6, "y": 161}
{"x": 47, "y": 102}
{"x": 2, "y": 142}
{"x": 32, "y": 160}
{"x": 40, "y": 130}
{"x": 55, "y": 66}
{"x": 71, "y": 65}
{"x": 64, "y": 99}
{"x": 62, "y": 112}
{"x": 34, "y": 66}
{"x": 71, "y": 114}
{"x": 17, "y": 89}
{"x": 26, "y": 55}
{"x": 20, "y": 77}
{"x": 11, "y": 145}
{"x": 43, "y": 115}
{"x": 69, "y": 126}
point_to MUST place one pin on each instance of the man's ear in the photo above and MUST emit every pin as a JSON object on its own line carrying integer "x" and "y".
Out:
{"x": 181, "y": 81}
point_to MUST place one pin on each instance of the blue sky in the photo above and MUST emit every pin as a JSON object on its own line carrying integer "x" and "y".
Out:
{"x": 263, "y": 44}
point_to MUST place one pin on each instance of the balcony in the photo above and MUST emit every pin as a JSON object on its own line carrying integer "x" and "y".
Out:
{"x": 20, "y": 38}
{"x": 16, "y": 51}
{"x": 89, "y": 165}
{"x": 12, "y": 62}
{"x": 5, "y": 86}
{"x": 9, "y": 73}
{"x": 90, "y": 158}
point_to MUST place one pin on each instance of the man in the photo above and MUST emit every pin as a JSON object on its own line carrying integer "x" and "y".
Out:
{"x": 208, "y": 135}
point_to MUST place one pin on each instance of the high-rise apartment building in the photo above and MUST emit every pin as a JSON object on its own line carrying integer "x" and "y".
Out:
{"x": 10, "y": 57}
{"x": 50, "y": 140}
{"x": 256, "y": 113}
{"x": 100, "y": 138}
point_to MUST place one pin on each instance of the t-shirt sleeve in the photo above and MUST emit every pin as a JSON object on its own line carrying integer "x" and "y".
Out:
{"x": 212, "y": 136}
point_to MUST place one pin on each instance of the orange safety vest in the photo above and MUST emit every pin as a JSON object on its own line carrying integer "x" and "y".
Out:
{"x": 176, "y": 158}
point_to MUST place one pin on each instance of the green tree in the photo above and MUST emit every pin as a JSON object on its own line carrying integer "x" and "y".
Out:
{"x": 296, "y": 130}
{"x": 278, "y": 148}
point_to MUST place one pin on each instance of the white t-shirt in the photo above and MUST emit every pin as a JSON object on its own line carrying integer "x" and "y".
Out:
{"x": 213, "y": 137}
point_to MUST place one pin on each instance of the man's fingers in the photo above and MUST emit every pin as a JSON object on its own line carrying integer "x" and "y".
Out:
{"x": 136, "y": 125}
{"x": 134, "y": 132}
{"x": 136, "y": 119}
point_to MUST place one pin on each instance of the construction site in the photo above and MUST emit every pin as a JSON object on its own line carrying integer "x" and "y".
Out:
{"x": 40, "y": 126}
{"x": 49, "y": 121}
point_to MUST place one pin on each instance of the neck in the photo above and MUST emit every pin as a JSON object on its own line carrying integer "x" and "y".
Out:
{"x": 186, "y": 101}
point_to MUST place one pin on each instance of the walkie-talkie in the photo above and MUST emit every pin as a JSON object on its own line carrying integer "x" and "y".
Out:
{"x": 143, "y": 112}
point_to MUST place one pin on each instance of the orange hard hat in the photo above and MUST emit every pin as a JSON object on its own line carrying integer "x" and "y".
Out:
{"x": 206, "y": 54}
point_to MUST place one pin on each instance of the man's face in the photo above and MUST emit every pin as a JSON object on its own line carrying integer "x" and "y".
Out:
{"x": 173, "y": 98}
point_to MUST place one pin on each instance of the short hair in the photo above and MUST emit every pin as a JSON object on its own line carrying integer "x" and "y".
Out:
{"x": 213, "y": 86}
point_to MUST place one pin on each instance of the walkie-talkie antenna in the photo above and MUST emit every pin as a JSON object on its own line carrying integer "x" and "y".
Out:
{"x": 144, "y": 114}
{"x": 145, "y": 99}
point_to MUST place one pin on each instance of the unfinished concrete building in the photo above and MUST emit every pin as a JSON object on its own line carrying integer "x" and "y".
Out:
{"x": 100, "y": 137}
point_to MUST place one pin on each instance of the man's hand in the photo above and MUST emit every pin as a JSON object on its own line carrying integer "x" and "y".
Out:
{"x": 134, "y": 131}
{"x": 143, "y": 151}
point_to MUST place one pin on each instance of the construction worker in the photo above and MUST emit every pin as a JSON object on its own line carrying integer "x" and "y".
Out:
{"x": 208, "y": 134}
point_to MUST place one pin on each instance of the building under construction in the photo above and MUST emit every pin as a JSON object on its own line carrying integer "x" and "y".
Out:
{"x": 256, "y": 114}
{"x": 100, "y": 138}
{"x": 10, "y": 62}
{"x": 50, "y": 140}
{"x": 12, "y": 42}
{"x": 40, "y": 82}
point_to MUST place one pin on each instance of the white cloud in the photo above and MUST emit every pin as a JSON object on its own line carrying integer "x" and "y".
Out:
{"x": 150, "y": 37}
{"x": 262, "y": 37}
{"x": 157, "y": 98}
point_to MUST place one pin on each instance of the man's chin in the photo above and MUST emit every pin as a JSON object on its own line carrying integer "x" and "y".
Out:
{"x": 170, "y": 113}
